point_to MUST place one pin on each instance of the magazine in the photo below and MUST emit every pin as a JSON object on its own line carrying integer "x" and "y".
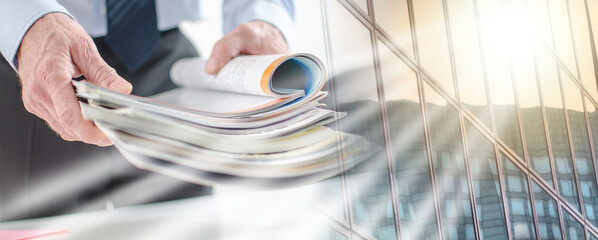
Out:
{"x": 258, "y": 119}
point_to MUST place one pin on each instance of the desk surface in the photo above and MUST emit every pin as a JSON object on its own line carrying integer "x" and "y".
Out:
{"x": 280, "y": 214}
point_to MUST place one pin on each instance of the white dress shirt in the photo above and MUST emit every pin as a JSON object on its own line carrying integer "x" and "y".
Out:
{"x": 17, "y": 16}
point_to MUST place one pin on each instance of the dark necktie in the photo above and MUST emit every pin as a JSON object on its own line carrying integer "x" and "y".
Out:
{"x": 132, "y": 30}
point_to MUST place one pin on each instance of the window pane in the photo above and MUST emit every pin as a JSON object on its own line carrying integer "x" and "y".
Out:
{"x": 417, "y": 206}
{"x": 356, "y": 93}
{"x": 432, "y": 42}
{"x": 490, "y": 212}
{"x": 588, "y": 176}
{"x": 362, "y": 4}
{"x": 581, "y": 145}
{"x": 561, "y": 33}
{"x": 466, "y": 50}
{"x": 557, "y": 128}
{"x": 496, "y": 40}
{"x": 449, "y": 166}
{"x": 546, "y": 211}
{"x": 393, "y": 17}
{"x": 574, "y": 230}
{"x": 519, "y": 202}
{"x": 583, "y": 48}
{"x": 525, "y": 72}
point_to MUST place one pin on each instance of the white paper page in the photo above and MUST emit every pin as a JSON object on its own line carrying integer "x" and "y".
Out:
{"x": 243, "y": 74}
{"x": 214, "y": 101}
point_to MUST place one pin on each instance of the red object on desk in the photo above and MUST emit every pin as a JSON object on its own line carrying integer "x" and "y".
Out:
{"x": 28, "y": 234}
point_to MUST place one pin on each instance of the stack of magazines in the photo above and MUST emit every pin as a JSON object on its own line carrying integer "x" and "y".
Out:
{"x": 257, "y": 123}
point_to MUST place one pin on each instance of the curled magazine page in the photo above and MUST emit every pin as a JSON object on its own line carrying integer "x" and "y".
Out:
{"x": 264, "y": 75}
{"x": 241, "y": 75}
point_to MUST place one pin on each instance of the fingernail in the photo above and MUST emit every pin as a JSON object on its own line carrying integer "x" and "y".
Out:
{"x": 211, "y": 66}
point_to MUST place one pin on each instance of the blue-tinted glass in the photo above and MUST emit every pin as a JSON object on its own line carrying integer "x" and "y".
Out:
{"x": 449, "y": 166}
{"x": 535, "y": 137}
{"x": 555, "y": 116}
{"x": 412, "y": 171}
{"x": 546, "y": 211}
{"x": 592, "y": 237}
{"x": 581, "y": 146}
{"x": 356, "y": 93}
{"x": 525, "y": 71}
{"x": 593, "y": 121}
{"x": 573, "y": 229}
{"x": 518, "y": 199}
{"x": 482, "y": 161}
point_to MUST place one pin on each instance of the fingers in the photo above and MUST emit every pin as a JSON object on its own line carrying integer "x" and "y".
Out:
{"x": 224, "y": 50}
{"x": 69, "y": 117}
{"x": 256, "y": 37}
{"x": 59, "y": 101}
{"x": 89, "y": 62}
{"x": 53, "y": 51}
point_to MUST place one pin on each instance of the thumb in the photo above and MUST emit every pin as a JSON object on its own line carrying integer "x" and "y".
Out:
{"x": 96, "y": 70}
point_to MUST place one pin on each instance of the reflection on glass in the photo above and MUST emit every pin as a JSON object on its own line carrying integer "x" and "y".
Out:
{"x": 482, "y": 161}
{"x": 581, "y": 146}
{"x": 525, "y": 69}
{"x": 555, "y": 116}
{"x": 449, "y": 166}
{"x": 547, "y": 215}
{"x": 412, "y": 172}
{"x": 561, "y": 34}
{"x": 393, "y": 17}
{"x": 466, "y": 52}
{"x": 525, "y": 72}
{"x": 540, "y": 19}
{"x": 431, "y": 43}
{"x": 362, "y": 4}
{"x": 497, "y": 36}
{"x": 583, "y": 48}
{"x": 518, "y": 199}
{"x": 356, "y": 93}
{"x": 573, "y": 229}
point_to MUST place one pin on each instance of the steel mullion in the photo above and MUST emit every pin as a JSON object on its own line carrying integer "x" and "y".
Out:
{"x": 394, "y": 191}
{"x": 592, "y": 43}
{"x": 590, "y": 141}
{"x": 343, "y": 178}
{"x": 464, "y": 142}
{"x": 559, "y": 200}
{"x": 427, "y": 138}
{"x": 582, "y": 205}
{"x": 572, "y": 150}
{"x": 521, "y": 132}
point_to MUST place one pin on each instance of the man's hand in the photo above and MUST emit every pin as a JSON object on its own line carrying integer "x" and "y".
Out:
{"x": 252, "y": 38}
{"x": 53, "y": 51}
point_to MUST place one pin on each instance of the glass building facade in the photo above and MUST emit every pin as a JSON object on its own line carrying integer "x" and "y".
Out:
{"x": 483, "y": 114}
